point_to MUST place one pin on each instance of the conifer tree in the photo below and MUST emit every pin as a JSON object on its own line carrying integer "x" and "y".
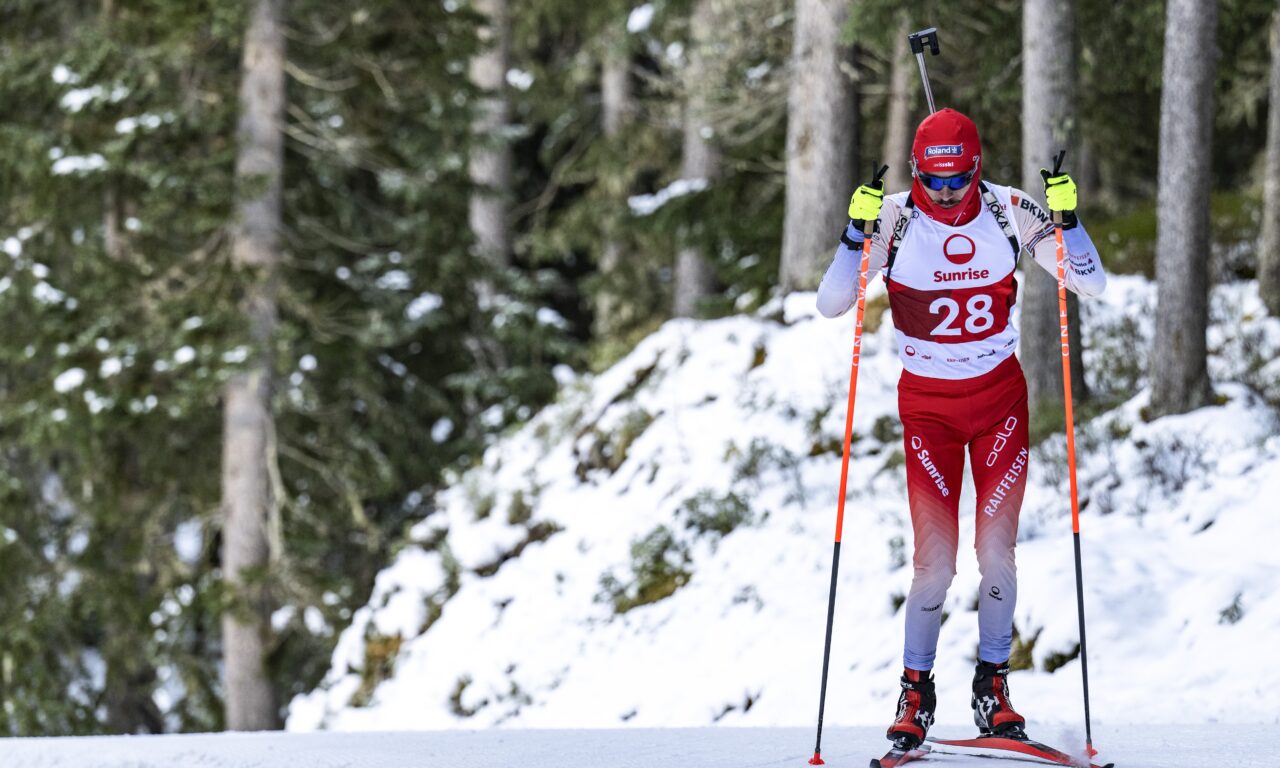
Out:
{"x": 822, "y": 131}
{"x": 1269, "y": 246}
{"x": 1049, "y": 124}
{"x": 248, "y": 450}
{"x": 1179, "y": 366}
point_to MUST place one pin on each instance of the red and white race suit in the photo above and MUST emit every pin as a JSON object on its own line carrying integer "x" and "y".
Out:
{"x": 952, "y": 290}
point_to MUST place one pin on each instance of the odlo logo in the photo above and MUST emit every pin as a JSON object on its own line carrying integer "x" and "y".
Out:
{"x": 1002, "y": 437}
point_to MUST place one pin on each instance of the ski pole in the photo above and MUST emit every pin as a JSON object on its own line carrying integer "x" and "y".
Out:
{"x": 918, "y": 41}
{"x": 868, "y": 229}
{"x": 1071, "y": 453}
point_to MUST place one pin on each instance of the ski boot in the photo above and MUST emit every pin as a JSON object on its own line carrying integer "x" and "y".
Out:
{"x": 916, "y": 705}
{"x": 993, "y": 713}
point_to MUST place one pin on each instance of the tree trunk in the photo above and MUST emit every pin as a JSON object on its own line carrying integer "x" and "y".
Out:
{"x": 1049, "y": 124}
{"x": 615, "y": 95}
{"x": 615, "y": 85}
{"x": 1269, "y": 250}
{"x": 1179, "y": 372}
{"x": 490, "y": 160}
{"x": 694, "y": 277}
{"x": 821, "y": 133}
{"x": 247, "y": 425}
{"x": 898, "y": 131}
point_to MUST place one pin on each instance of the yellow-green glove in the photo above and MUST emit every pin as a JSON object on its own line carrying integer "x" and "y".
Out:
{"x": 1059, "y": 192}
{"x": 865, "y": 204}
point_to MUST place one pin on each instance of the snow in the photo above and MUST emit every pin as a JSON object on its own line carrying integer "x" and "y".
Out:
{"x": 640, "y": 18}
{"x": 645, "y": 205}
{"x": 69, "y": 380}
{"x": 756, "y": 74}
{"x": 511, "y": 621}
{"x": 47, "y": 294}
{"x": 97, "y": 403}
{"x": 188, "y": 541}
{"x": 550, "y": 317}
{"x": 78, "y": 98}
{"x": 395, "y": 280}
{"x": 149, "y": 121}
{"x": 1166, "y": 746}
{"x": 110, "y": 367}
{"x": 422, "y": 306}
{"x": 63, "y": 76}
{"x": 495, "y": 626}
{"x": 78, "y": 164}
{"x": 519, "y": 79}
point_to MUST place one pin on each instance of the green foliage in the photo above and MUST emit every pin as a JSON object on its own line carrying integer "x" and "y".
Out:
{"x": 709, "y": 514}
{"x": 607, "y": 449}
{"x": 1055, "y": 661}
{"x": 1020, "y": 657}
{"x": 120, "y": 301}
{"x": 1232, "y": 613}
{"x": 1128, "y": 240}
{"x": 897, "y": 553}
{"x": 659, "y": 566}
{"x": 379, "y": 663}
{"x": 455, "y": 699}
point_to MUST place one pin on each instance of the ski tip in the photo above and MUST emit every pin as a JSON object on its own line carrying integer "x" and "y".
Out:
{"x": 875, "y": 763}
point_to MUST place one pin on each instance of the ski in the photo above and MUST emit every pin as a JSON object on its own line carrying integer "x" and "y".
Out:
{"x": 896, "y": 756}
{"x": 1021, "y": 746}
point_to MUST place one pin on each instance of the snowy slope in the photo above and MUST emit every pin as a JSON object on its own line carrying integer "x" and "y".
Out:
{"x": 711, "y": 455}
{"x": 1161, "y": 747}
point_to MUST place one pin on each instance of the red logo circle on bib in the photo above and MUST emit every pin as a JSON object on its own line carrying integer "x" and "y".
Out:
{"x": 959, "y": 249}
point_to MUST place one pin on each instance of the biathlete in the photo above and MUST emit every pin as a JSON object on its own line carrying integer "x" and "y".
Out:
{"x": 948, "y": 250}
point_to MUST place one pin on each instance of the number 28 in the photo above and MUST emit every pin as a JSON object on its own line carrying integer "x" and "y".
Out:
{"x": 978, "y": 309}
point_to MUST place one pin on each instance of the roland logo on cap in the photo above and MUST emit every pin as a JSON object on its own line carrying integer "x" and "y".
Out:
{"x": 944, "y": 150}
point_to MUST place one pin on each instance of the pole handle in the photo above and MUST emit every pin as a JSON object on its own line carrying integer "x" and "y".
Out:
{"x": 869, "y": 226}
{"x": 919, "y": 40}
{"x": 1057, "y": 168}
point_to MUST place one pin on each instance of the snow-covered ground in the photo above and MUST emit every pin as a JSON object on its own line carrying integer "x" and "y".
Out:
{"x": 1158, "y": 747}
{"x": 703, "y": 469}
{"x": 706, "y": 465}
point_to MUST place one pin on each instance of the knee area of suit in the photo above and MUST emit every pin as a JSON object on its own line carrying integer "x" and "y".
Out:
{"x": 992, "y": 560}
{"x": 935, "y": 580}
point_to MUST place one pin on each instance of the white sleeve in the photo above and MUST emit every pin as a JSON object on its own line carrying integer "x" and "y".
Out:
{"x": 839, "y": 288}
{"x": 1083, "y": 269}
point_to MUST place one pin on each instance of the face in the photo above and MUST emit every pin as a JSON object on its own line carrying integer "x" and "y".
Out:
{"x": 947, "y": 197}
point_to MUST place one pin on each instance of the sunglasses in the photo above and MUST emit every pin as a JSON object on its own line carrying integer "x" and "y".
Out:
{"x": 938, "y": 182}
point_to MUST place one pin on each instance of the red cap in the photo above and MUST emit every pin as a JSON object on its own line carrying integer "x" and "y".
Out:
{"x": 946, "y": 142}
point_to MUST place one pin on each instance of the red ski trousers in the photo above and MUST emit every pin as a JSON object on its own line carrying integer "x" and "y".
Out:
{"x": 987, "y": 415}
